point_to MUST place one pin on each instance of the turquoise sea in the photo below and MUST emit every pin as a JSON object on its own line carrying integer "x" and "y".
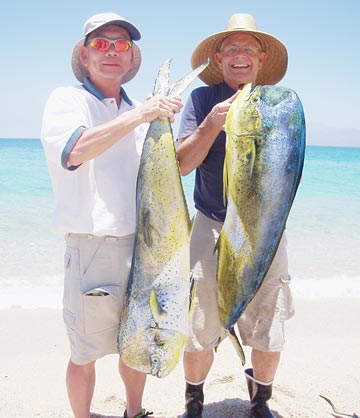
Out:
{"x": 323, "y": 229}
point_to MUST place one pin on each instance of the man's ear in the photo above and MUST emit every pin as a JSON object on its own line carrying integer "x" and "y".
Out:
{"x": 262, "y": 59}
{"x": 84, "y": 56}
{"x": 218, "y": 59}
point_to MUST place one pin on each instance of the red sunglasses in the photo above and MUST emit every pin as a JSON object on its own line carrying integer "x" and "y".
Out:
{"x": 103, "y": 44}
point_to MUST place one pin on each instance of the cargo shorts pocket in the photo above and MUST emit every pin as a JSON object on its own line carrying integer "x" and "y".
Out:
{"x": 102, "y": 309}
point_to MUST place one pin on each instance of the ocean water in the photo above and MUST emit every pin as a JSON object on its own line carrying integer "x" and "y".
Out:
{"x": 323, "y": 228}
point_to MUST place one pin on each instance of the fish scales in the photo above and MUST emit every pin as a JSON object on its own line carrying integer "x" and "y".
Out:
{"x": 154, "y": 323}
{"x": 265, "y": 146}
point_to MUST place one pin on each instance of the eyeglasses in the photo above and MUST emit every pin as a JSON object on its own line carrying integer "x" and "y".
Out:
{"x": 231, "y": 50}
{"x": 103, "y": 44}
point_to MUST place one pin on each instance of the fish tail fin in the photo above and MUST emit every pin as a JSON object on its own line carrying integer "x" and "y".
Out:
{"x": 236, "y": 343}
{"x": 162, "y": 84}
{"x": 177, "y": 88}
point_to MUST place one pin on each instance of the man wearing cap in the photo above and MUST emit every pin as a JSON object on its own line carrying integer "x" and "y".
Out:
{"x": 92, "y": 135}
{"x": 241, "y": 54}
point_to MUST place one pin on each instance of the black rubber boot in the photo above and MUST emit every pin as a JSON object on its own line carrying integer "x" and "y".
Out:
{"x": 194, "y": 398}
{"x": 259, "y": 395}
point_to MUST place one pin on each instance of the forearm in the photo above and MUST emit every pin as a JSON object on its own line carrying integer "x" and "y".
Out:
{"x": 96, "y": 140}
{"x": 193, "y": 150}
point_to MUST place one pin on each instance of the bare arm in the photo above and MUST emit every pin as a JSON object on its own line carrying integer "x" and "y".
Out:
{"x": 96, "y": 140}
{"x": 193, "y": 149}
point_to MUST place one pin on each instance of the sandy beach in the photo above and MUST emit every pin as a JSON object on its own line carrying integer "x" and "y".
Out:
{"x": 321, "y": 358}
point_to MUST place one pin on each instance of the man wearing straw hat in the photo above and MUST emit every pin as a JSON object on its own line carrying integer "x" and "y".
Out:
{"x": 241, "y": 54}
{"x": 92, "y": 136}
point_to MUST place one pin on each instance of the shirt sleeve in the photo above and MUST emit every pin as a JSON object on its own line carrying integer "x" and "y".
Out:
{"x": 188, "y": 123}
{"x": 65, "y": 117}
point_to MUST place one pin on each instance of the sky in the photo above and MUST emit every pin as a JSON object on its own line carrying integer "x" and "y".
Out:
{"x": 322, "y": 38}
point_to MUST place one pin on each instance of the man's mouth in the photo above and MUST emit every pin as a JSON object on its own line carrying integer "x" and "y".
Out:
{"x": 240, "y": 65}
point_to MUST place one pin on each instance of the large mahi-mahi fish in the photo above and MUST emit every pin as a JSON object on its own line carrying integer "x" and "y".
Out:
{"x": 264, "y": 157}
{"x": 154, "y": 323}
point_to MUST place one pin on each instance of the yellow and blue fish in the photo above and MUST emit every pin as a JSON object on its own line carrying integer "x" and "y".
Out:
{"x": 154, "y": 324}
{"x": 265, "y": 146}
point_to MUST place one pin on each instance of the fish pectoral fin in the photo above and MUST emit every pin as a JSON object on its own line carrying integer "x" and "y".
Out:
{"x": 236, "y": 343}
{"x": 156, "y": 309}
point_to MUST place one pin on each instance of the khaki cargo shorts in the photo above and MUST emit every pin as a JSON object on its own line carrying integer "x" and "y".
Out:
{"x": 262, "y": 324}
{"x": 96, "y": 276}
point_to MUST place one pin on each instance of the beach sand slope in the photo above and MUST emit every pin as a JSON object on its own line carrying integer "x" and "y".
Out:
{"x": 321, "y": 358}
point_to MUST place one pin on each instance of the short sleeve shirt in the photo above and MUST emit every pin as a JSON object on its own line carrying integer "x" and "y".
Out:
{"x": 99, "y": 196}
{"x": 208, "y": 191}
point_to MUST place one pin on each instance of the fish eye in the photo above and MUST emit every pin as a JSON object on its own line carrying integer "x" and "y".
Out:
{"x": 155, "y": 360}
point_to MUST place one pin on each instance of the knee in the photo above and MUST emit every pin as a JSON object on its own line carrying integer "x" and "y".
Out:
{"x": 81, "y": 370}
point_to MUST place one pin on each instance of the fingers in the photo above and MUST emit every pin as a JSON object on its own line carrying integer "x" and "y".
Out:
{"x": 218, "y": 113}
{"x": 161, "y": 106}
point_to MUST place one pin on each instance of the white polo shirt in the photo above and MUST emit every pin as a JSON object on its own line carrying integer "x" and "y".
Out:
{"x": 99, "y": 196}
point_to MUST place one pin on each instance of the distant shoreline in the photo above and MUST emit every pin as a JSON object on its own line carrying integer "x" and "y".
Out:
{"x": 27, "y": 139}
{"x": 308, "y": 145}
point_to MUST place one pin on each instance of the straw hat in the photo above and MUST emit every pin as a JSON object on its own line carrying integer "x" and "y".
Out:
{"x": 96, "y": 22}
{"x": 274, "y": 67}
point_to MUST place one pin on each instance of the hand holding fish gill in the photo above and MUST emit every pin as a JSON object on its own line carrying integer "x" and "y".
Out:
{"x": 160, "y": 106}
{"x": 218, "y": 113}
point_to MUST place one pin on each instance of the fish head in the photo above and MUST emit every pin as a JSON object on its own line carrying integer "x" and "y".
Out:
{"x": 154, "y": 351}
{"x": 243, "y": 113}
{"x": 166, "y": 351}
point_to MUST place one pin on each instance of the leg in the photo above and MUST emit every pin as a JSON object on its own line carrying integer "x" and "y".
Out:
{"x": 260, "y": 393}
{"x": 262, "y": 327}
{"x": 80, "y": 381}
{"x": 264, "y": 365}
{"x": 206, "y": 330}
{"x": 134, "y": 382}
{"x": 196, "y": 367}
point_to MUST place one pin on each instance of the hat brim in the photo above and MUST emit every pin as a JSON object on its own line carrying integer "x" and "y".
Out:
{"x": 274, "y": 67}
{"x": 81, "y": 72}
